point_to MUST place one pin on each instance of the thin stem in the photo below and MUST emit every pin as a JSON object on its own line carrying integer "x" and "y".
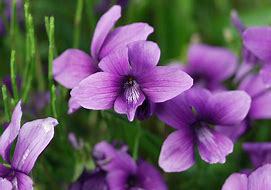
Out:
{"x": 77, "y": 23}
{"x": 137, "y": 142}
{"x": 32, "y": 54}
{"x": 13, "y": 76}
{"x": 50, "y": 28}
{"x": 53, "y": 101}
{"x": 6, "y": 102}
{"x": 12, "y": 23}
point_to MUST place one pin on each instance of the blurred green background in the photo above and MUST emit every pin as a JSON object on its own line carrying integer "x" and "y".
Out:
{"x": 176, "y": 24}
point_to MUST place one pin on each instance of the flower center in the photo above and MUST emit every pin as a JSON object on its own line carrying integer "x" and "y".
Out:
{"x": 131, "y": 90}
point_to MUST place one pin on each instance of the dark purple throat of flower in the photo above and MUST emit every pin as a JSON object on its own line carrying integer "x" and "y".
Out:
{"x": 131, "y": 91}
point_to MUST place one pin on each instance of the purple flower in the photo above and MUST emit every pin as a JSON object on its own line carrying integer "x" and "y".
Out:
{"x": 124, "y": 173}
{"x": 194, "y": 114}
{"x": 257, "y": 180}
{"x": 32, "y": 139}
{"x": 250, "y": 60}
{"x": 74, "y": 65}
{"x": 95, "y": 180}
{"x": 260, "y": 153}
{"x": 129, "y": 77}
{"x": 260, "y": 93}
{"x": 209, "y": 66}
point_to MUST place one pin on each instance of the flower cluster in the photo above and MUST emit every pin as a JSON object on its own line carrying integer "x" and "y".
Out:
{"x": 117, "y": 170}
{"x": 122, "y": 74}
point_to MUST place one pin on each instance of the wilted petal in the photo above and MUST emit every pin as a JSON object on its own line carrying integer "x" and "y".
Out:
{"x": 177, "y": 153}
{"x": 149, "y": 177}
{"x": 229, "y": 108}
{"x": 5, "y": 184}
{"x": 98, "y": 91}
{"x": 128, "y": 104}
{"x": 34, "y": 136}
{"x": 117, "y": 179}
{"x": 213, "y": 146}
{"x": 143, "y": 56}
{"x": 72, "y": 66}
{"x": 163, "y": 83}
{"x": 258, "y": 41}
{"x": 116, "y": 62}
{"x": 124, "y": 35}
{"x": 103, "y": 27}
{"x": 236, "y": 182}
{"x": 23, "y": 182}
{"x": 73, "y": 105}
{"x": 176, "y": 112}
{"x": 260, "y": 178}
{"x": 212, "y": 63}
{"x": 10, "y": 132}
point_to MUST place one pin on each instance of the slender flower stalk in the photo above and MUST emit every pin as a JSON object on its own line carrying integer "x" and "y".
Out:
{"x": 13, "y": 76}
{"x": 77, "y": 23}
{"x": 6, "y": 102}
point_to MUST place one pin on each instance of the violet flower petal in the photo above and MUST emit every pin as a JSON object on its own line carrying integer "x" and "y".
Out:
{"x": 124, "y": 35}
{"x": 236, "y": 181}
{"x": 265, "y": 73}
{"x": 177, "y": 152}
{"x": 73, "y": 105}
{"x": 213, "y": 146}
{"x": 212, "y": 63}
{"x": 23, "y": 182}
{"x": 259, "y": 153}
{"x": 116, "y": 62}
{"x": 143, "y": 56}
{"x": 34, "y": 136}
{"x": 260, "y": 178}
{"x": 103, "y": 27}
{"x": 229, "y": 108}
{"x": 11, "y": 132}
{"x": 163, "y": 83}
{"x": 117, "y": 179}
{"x": 108, "y": 158}
{"x": 122, "y": 106}
{"x": 149, "y": 177}
{"x": 176, "y": 112}
{"x": 98, "y": 91}
{"x": 72, "y": 66}
{"x": 5, "y": 184}
{"x": 258, "y": 41}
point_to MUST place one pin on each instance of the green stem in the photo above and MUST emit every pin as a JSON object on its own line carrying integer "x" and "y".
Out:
{"x": 32, "y": 55}
{"x": 50, "y": 28}
{"x": 53, "y": 101}
{"x": 77, "y": 23}
{"x": 13, "y": 76}
{"x": 6, "y": 102}
{"x": 12, "y": 23}
{"x": 137, "y": 142}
